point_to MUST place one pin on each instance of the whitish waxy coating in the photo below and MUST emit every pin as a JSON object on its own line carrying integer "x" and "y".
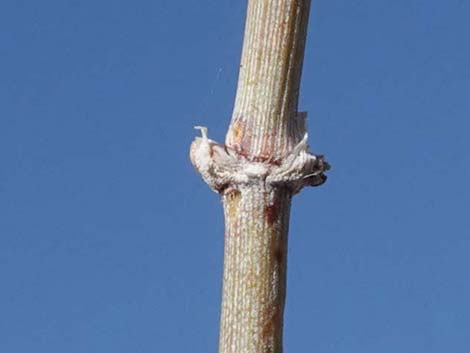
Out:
{"x": 222, "y": 167}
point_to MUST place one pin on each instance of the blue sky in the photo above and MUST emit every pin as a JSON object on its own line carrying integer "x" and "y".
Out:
{"x": 110, "y": 242}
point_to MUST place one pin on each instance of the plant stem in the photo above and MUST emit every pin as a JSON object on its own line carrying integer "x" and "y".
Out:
{"x": 263, "y": 163}
{"x": 254, "y": 280}
{"x": 269, "y": 79}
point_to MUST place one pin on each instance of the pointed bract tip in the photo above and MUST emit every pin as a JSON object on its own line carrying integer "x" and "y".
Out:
{"x": 203, "y": 130}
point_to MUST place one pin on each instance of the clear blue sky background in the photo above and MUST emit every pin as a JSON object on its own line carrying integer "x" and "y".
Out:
{"x": 110, "y": 242}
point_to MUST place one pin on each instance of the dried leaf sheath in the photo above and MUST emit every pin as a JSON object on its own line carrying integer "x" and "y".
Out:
{"x": 264, "y": 162}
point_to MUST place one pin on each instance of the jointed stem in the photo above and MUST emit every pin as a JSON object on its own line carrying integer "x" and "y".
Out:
{"x": 264, "y": 162}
